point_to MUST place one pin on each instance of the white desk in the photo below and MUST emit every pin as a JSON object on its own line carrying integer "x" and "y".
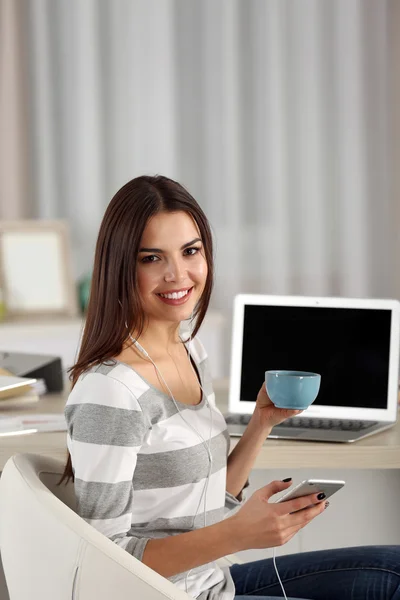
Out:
{"x": 60, "y": 337}
{"x": 380, "y": 451}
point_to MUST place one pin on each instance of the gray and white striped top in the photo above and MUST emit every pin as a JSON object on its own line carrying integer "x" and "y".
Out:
{"x": 140, "y": 470}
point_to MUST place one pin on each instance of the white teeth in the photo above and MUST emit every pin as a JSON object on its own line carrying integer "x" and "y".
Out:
{"x": 174, "y": 295}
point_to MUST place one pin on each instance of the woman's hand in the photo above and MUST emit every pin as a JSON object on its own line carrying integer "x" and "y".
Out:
{"x": 260, "y": 524}
{"x": 266, "y": 413}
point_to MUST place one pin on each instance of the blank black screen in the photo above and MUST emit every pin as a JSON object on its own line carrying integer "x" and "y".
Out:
{"x": 348, "y": 347}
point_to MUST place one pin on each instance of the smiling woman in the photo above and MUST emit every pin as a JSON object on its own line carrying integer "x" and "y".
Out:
{"x": 176, "y": 274}
{"x": 148, "y": 447}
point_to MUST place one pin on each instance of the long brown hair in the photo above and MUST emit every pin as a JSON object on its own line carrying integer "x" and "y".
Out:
{"x": 114, "y": 298}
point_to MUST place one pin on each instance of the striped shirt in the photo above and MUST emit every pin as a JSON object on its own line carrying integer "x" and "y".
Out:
{"x": 140, "y": 469}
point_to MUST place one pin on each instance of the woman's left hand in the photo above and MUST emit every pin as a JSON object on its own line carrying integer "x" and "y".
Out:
{"x": 267, "y": 414}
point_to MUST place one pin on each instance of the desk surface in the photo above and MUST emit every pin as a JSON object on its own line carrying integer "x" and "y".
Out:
{"x": 380, "y": 451}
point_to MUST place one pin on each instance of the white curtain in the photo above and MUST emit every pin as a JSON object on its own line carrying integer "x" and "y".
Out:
{"x": 276, "y": 114}
{"x": 14, "y": 137}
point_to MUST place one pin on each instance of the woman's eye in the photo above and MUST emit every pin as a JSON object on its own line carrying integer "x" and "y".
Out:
{"x": 149, "y": 259}
{"x": 189, "y": 251}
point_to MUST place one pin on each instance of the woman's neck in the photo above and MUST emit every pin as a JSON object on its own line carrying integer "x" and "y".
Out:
{"x": 160, "y": 338}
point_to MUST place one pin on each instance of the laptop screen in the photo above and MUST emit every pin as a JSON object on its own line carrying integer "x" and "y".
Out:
{"x": 349, "y": 347}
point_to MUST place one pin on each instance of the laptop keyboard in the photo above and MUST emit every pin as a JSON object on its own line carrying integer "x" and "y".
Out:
{"x": 307, "y": 423}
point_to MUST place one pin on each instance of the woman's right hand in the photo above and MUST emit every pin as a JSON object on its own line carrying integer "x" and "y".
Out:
{"x": 261, "y": 524}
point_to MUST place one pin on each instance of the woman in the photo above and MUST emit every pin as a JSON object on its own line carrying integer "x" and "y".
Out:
{"x": 149, "y": 448}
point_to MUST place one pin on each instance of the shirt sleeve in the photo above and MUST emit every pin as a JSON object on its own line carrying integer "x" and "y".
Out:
{"x": 232, "y": 502}
{"x": 106, "y": 428}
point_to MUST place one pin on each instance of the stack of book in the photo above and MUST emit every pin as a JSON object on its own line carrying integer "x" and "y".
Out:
{"x": 17, "y": 391}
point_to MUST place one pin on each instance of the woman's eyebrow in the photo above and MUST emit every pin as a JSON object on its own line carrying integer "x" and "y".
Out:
{"x": 161, "y": 251}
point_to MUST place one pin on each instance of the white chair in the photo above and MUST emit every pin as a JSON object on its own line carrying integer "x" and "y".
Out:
{"x": 50, "y": 553}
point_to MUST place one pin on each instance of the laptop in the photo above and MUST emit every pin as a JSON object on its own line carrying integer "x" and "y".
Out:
{"x": 352, "y": 343}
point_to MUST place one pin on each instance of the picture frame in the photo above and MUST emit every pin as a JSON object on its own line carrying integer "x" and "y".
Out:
{"x": 35, "y": 269}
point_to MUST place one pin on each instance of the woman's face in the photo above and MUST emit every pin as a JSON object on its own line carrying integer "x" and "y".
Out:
{"x": 172, "y": 268}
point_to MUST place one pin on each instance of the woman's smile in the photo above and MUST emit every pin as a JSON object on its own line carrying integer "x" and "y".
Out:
{"x": 176, "y": 297}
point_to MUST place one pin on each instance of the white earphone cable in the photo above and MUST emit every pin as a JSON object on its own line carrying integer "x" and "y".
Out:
{"x": 172, "y": 396}
{"x": 209, "y": 442}
{"x": 277, "y": 573}
{"x": 205, "y": 488}
{"x": 207, "y": 446}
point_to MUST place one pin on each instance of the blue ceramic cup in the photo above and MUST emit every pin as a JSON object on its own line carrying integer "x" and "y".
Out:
{"x": 292, "y": 389}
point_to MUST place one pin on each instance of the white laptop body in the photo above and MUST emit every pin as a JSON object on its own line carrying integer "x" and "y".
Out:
{"x": 352, "y": 343}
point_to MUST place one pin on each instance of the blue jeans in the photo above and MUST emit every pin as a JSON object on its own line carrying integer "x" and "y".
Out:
{"x": 360, "y": 573}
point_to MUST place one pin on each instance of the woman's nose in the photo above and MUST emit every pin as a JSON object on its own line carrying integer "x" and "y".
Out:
{"x": 175, "y": 271}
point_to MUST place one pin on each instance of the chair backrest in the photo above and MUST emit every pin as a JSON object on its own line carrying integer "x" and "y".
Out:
{"x": 49, "y": 552}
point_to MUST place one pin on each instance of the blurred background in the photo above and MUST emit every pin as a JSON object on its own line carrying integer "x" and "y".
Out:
{"x": 280, "y": 116}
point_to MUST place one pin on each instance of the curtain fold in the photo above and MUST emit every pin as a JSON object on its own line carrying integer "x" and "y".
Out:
{"x": 15, "y": 197}
{"x": 277, "y": 116}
